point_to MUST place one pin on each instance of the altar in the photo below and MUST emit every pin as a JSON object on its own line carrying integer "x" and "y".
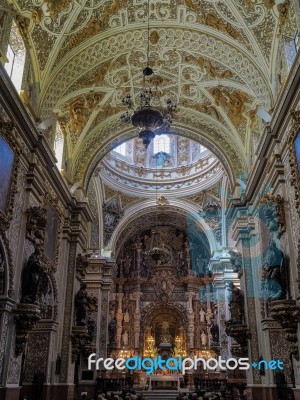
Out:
{"x": 165, "y": 382}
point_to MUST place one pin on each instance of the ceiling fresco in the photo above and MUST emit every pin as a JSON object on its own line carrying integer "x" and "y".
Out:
{"x": 216, "y": 59}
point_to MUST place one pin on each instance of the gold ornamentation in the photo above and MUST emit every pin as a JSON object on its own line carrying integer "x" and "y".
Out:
{"x": 253, "y": 119}
{"x": 161, "y": 201}
{"x": 234, "y": 101}
{"x": 269, "y": 4}
{"x": 98, "y": 77}
{"x": 295, "y": 174}
{"x": 216, "y": 22}
{"x": 55, "y": 7}
{"x": 36, "y": 15}
{"x": 193, "y": 6}
{"x": 23, "y": 24}
{"x": 156, "y": 80}
{"x": 154, "y": 37}
{"x": 80, "y": 109}
{"x": 283, "y": 10}
{"x": 206, "y": 65}
{"x": 91, "y": 29}
{"x": 206, "y": 108}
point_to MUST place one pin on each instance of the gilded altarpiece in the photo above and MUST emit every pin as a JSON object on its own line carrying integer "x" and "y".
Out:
{"x": 163, "y": 305}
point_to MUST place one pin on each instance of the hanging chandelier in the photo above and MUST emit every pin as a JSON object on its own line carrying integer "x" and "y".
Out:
{"x": 150, "y": 118}
{"x": 158, "y": 250}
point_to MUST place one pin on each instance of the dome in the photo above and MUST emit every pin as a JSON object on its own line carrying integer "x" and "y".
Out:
{"x": 170, "y": 163}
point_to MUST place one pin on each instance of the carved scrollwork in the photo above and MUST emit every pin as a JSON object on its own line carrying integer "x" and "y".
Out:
{"x": 241, "y": 334}
{"x": 112, "y": 213}
{"x": 36, "y": 225}
{"x": 81, "y": 265}
{"x": 295, "y": 174}
{"x": 6, "y": 131}
{"x": 273, "y": 208}
{"x": 287, "y": 313}
{"x": 79, "y": 336}
{"x": 26, "y": 317}
{"x": 236, "y": 260}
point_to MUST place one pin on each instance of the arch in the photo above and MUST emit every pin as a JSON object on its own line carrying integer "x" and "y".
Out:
{"x": 155, "y": 308}
{"x": 181, "y": 207}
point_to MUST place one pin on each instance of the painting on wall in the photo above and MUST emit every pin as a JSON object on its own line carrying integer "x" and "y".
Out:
{"x": 6, "y": 169}
{"x": 297, "y": 151}
{"x": 51, "y": 234}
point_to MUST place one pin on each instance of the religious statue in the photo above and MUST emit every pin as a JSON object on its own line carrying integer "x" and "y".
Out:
{"x": 126, "y": 317}
{"x": 31, "y": 278}
{"x": 81, "y": 300}
{"x": 203, "y": 339}
{"x": 236, "y": 304}
{"x": 127, "y": 265}
{"x": 112, "y": 329}
{"x": 125, "y": 338}
{"x": 274, "y": 274}
{"x": 202, "y": 315}
{"x": 215, "y": 333}
{"x": 209, "y": 316}
{"x": 91, "y": 325}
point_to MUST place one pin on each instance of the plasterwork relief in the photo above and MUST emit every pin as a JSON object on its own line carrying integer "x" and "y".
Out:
{"x": 68, "y": 316}
{"x": 280, "y": 352}
{"x": 14, "y": 370}
{"x": 104, "y": 312}
{"x": 92, "y": 198}
{"x": 293, "y": 184}
{"x": 36, "y": 355}
{"x": 4, "y": 333}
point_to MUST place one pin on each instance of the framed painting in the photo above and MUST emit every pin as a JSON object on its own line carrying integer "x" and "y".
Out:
{"x": 7, "y": 157}
{"x": 51, "y": 233}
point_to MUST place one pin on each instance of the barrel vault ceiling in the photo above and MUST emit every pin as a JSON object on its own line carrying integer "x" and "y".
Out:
{"x": 217, "y": 59}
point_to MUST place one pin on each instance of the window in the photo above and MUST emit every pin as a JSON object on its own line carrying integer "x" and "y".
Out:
{"x": 161, "y": 143}
{"x": 59, "y": 146}
{"x": 16, "y": 53}
{"x": 121, "y": 149}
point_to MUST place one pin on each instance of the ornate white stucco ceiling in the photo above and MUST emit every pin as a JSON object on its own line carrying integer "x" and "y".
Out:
{"x": 216, "y": 58}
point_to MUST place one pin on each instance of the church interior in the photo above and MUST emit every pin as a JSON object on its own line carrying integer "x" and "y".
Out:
{"x": 149, "y": 197}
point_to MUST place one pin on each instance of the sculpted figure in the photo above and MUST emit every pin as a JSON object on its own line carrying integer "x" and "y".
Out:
{"x": 81, "y": 305}
{"x": 274, "y": 274}
{"x": 125, "y": 338}
{"x": 30, "y": 278}
{"x": 202, "y": 315}
{"x": 203, "y": 339}
{"x": 236, "y": 304}
{"x": 126, "y": 316}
